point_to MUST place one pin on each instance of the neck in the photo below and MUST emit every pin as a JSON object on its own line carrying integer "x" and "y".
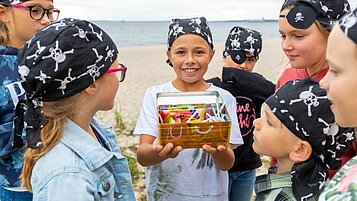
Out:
{"x": 284, "y": 165}
{"x": 190, "y": 87}
{"x": 317, "y": 67}
{"x": 83, "y": 120}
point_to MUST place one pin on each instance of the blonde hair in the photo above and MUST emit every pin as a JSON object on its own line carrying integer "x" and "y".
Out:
{"x": 4, "y": 34}
{"x": 56, "y": 113}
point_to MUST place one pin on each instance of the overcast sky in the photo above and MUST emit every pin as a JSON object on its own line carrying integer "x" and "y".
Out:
{"x": 148, "y": 10}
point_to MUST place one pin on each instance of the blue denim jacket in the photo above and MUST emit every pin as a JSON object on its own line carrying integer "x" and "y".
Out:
{"x": 79, "y": 168}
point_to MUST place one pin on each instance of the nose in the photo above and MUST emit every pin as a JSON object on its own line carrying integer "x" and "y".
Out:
{"x": 286, "y": 44}
{"x": 256, "y": 123}
{"x": 324, "y": 82}
{"x": 243, "y": 66}
{"x": 45, "y": 20}
{"x": 190, "y": 58}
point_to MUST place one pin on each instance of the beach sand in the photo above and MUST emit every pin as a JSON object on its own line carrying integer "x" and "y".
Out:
{"x": 147, "y": 67}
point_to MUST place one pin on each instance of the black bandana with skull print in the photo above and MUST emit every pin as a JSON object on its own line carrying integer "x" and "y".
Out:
{"x": 305, "y": 12}
{"x": 302, "y": 106}
{"x": 348, "y": 24}
{"x": 61, "y": 60}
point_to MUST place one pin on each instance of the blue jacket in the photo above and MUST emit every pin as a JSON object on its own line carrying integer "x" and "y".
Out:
{"x": 10, "y": 93}
{"x": 80, "y": 168}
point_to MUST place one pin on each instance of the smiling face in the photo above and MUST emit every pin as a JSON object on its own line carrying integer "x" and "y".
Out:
{"x": 341, "y": 79}
{"x": 190, "y": 55}
{"x": 305, "y": 48}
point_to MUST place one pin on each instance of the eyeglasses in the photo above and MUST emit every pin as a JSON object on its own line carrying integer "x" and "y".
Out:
{"x": 37, "y": 12}
{"x": 121, "y": 68}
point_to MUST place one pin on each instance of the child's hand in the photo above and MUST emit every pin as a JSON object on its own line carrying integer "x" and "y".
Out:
{"x": 168, "y": 151}
{"x": 210, "y": 149}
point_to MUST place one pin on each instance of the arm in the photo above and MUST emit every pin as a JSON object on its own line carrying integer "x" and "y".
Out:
{"x": 255, "y": 83}
{"x": 151, "y": 153}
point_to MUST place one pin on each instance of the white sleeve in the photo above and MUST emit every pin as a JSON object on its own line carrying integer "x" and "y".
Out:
{"x": 235, "y": 135}
{"x": 148, "y": 119}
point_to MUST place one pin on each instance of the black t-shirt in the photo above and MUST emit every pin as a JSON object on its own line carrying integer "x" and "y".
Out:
{"x": 250, "y": 91}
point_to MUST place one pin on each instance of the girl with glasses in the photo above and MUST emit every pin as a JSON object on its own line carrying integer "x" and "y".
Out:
{"x": 71, "y": 156}
{"x": 19, "y": 21}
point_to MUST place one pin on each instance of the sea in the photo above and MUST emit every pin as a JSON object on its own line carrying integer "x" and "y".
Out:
{"x": 144, "y": 33}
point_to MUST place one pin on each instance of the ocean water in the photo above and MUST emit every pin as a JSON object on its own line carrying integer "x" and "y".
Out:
{"x": 145, "y": 33}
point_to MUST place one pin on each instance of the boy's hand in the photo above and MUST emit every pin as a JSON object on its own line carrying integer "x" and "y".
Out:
{"x": 168, "y": 151}
{"x": 210, "y": 149}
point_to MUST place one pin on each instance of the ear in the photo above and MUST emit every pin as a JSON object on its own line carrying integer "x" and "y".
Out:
{"x": 213, "y": 52}
{"x": 168, "y": 55}
{"x": 4, "y": 12}
{"x": 301, "y": 152}
{"x": 92, "y": 89}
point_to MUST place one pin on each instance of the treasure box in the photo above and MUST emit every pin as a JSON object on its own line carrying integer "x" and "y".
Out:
{"x": 192, "y": 119}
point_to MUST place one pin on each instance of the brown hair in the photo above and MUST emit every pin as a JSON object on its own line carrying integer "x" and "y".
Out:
{"x": 56, "y": 113}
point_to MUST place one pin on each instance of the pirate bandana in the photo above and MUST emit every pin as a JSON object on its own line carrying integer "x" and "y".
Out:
{"x": 302, "y": 106}
{"x": 348, "y": 25}
{"x": 304, "y": 12}
{"x": 59, "y": 61}
{"x": 197, "y": 25}
{"x": 242, "y": 42}
{"x": 11, "y": 2}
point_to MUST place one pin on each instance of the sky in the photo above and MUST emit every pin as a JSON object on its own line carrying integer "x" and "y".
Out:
{"x": 163, "y": 10}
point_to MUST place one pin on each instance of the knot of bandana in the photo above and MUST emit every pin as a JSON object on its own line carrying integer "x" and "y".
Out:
{"x": 302, "y": 106}
{"x": 242, "y": 41}
{"x": 348, "y": 25}
{"x": 61, "y": 60}
{"x": 197, "y": 25}
{"x": 305, "y": 12}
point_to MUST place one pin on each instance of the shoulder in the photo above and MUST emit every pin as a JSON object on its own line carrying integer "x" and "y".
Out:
{"x": 59, "y": 160}
{"x": 225, "y": 95}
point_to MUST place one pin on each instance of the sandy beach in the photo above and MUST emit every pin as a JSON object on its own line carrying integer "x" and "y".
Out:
{"x": 147, "y": 67}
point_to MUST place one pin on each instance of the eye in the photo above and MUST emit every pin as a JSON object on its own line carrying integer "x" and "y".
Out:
{"x": 282, "y": 36}
{"x": 180, "y": 52}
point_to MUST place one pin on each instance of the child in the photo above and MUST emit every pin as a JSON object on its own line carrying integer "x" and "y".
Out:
{"x": 341, "y": 84}
{"x": 240, "y": 55}
{"x": 304, "y": 26}
{"x": 67, "y": 75}
{"x": 19, "y": 21}
{"x": 190, "y": 174}
{"x": 298, "y": 116}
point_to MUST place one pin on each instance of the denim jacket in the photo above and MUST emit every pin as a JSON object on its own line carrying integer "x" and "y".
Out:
{"x": 80, "y": 168}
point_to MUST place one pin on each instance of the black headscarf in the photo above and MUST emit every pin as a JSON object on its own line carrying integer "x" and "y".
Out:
{"x": 61, "y": 60}
{"x": 302, "y": 106}
{"x": 196, "y": 25}
{"x": 242, "y": 41}
{"x": 305, "y": 12}
{"x": 348, "y": 25}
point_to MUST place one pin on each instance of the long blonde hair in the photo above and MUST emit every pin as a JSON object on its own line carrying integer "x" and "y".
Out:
{"x": 56, "y": 113}
{"x": 4, "y": 34}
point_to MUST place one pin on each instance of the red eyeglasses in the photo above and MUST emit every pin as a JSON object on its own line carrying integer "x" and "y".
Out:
{"x": 121, "y": 69}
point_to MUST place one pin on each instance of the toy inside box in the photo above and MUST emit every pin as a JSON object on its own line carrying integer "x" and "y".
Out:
{"x": 192, "y": 119}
